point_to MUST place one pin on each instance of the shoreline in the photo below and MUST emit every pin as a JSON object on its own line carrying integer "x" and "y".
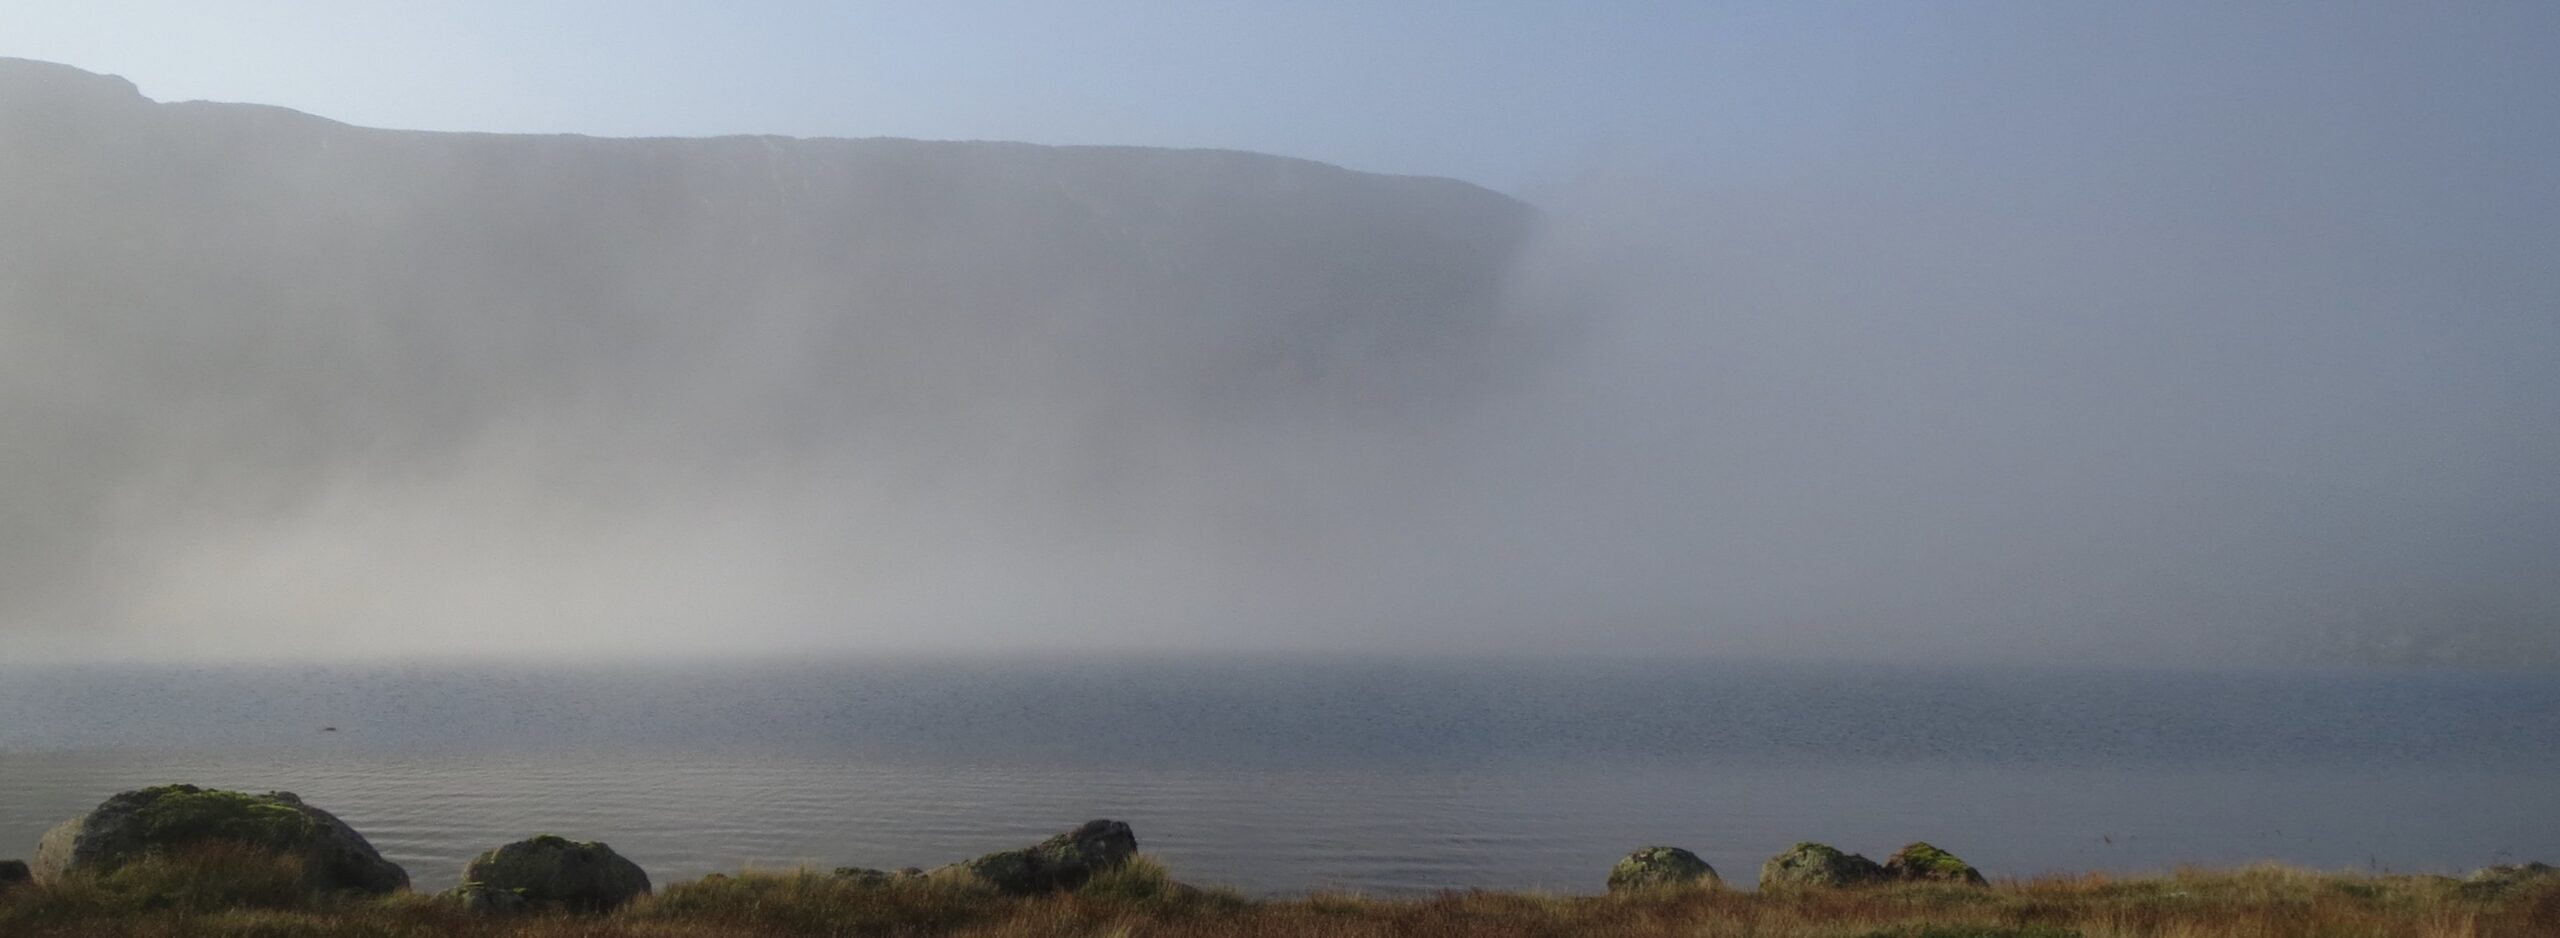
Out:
{"x": 171, "y": 860}
{"x": 2262, "y": 901}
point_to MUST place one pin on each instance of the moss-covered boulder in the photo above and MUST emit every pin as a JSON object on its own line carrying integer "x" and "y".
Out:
{"x": 166, "y": 818}
{"x": 1063, "y": 862}
{"x": 1922, "y": 863}
{"x": 1812, "y": 865}
{"x": 1662, "y": 868}
{"x": 13, "y": 874}
{"x": 552, "y": 872}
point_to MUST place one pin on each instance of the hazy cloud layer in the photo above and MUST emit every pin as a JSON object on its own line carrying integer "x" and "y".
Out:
{"x": 275, "y": 384}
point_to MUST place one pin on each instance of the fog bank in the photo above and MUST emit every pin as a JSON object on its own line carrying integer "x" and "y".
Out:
{"x": 276, "y": 386}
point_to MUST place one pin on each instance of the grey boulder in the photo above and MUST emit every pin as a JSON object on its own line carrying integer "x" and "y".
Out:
{"x": 1818, "y": 866}
{"x": 1063, "y": 862}
{"x": 1922, "y": 863}
{"x": 551, "y": 872}
{"x": 163, "y": 818}
{"x": 1662, "y": 868}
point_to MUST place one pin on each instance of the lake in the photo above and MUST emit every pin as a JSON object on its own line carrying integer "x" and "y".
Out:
{"x": 1288, "y": 775}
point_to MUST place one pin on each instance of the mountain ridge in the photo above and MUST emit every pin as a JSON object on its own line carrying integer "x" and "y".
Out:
{"x": 104, "y": 85}
{"x": 224, "y": 316}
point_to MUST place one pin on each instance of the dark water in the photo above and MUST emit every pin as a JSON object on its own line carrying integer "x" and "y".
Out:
{"x": 1285, "y": 776}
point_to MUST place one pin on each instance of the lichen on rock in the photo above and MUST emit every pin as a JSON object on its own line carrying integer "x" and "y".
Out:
{"x": 1921, "y": 862}
{"x": 1818, "y": 866}
{"x": 1662, "y": 868}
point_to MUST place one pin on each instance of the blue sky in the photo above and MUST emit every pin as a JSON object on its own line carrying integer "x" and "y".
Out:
{"x": 1512, "y": 95}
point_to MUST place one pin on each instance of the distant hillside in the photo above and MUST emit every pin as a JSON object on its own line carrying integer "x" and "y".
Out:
{"x": 1256, "y": 272}
{"x": 213, "y": 310}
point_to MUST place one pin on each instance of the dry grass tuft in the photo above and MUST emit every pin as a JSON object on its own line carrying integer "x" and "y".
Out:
{"x": 247, "y": 895}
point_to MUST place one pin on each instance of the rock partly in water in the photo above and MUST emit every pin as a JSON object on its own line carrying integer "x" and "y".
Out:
{"x": 13, "y": 874}
{"x": 1920, "y": 862}
{"x": 1820, "y": 866}
{"x": 555, "y": 872}
{"x": 1662, "y": 868}
{"x": 136, "y": 823}
{"x": 1063, "y": 862}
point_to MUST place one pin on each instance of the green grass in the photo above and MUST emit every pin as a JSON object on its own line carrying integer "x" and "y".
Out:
{"x": 237, "y": 892}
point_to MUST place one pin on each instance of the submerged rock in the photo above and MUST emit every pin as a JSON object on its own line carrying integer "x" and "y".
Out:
{"x": 13, "y": 874}
{"x": 549, "y": 871}
{"x": 1662, "y": 868}
{"x": 1818, "y": 865}
{"x": 172, "y": 817}
{"x": 1920, "y": 862}
{"x": 1063, "y": 862}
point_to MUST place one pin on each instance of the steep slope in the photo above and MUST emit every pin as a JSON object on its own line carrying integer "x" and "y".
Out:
{"x": 213, "y": 311}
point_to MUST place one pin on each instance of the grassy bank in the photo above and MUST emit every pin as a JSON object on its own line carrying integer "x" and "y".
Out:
{"x": 244, "y": 895}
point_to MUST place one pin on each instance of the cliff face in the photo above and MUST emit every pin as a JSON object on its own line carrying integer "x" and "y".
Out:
{"x": 1226, "y": 275}
{"x": 212, "y": 311}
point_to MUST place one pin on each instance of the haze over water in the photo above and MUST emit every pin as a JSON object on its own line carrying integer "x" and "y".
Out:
{"x": 1289, "y": 775}
{"x": 710, "y": 430}
{"x": 2182, "y": 333}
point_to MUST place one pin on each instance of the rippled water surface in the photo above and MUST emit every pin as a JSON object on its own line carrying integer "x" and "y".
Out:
{"x": 1286, "y": 776}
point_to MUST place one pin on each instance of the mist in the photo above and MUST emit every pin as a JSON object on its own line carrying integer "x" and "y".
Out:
{"x": 2197, "y": 388}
